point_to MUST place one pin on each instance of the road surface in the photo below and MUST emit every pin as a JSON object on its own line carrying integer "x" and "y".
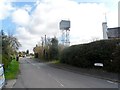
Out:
{"x": 40, "y": 75}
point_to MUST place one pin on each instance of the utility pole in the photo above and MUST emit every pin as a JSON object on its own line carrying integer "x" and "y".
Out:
{"x": 45, "y": 40}
{"x": 42, "y": 41}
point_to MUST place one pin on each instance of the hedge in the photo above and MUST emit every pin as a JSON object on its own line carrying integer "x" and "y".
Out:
{"x": 85, "y": 55}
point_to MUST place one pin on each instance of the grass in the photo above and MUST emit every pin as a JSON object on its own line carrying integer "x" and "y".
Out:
{"x": 12, "y": 70}
{"x": 55, "y": 61}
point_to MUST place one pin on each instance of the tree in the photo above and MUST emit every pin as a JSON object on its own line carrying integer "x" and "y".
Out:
{"x": 13, "y": 42}
{"x": 53, "y": 50}
{"x": 37, "y": 50}
{"x": 10, "y": 45}
{"x": 27, "y": 52}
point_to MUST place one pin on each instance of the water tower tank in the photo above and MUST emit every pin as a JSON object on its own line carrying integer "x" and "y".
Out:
{"x": 64, "y": 25}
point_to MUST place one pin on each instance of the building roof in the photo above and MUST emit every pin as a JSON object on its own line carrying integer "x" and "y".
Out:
{"x": 113, "y": 32}
{"x": 114, "y": 28}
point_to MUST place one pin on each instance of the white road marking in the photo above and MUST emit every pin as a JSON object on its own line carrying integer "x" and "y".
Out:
{"x": 111, "y": 82}
{"x": 28, "y": 62}
{"x": 59, "y": 83}
{"x": 56, "y": 80}
{"x": 33, "y": 64}
{"x": 48, "y": 74}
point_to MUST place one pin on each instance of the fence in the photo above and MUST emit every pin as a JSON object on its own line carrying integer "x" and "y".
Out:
{"x": 2, "y": 77}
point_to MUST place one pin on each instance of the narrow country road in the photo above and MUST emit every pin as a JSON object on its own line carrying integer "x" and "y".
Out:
{"x": 40, "y": 75}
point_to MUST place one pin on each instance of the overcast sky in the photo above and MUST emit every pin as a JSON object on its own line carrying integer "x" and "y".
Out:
{"x": 31, "y": 20}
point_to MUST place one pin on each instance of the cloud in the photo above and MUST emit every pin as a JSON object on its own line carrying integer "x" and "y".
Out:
{"x": 86, "y": 21}
{"x": 5, "y": 9}
{"x": 21, "y": 17}
{"x": 26, "y": 38}
{"x": 112, "y": 19}
{"x": 49, "y": 13}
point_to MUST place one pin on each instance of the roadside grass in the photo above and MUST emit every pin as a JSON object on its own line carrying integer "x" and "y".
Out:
{"x": 12, "y": 70}
{"x": 55, "y": 61}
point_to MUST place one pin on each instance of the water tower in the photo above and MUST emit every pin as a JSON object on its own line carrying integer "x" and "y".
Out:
{"x": 65, "y": 30}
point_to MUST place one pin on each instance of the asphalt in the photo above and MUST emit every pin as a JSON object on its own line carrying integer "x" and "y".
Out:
{"x": 39, "y": 74}
{"x": 96, "y": 72}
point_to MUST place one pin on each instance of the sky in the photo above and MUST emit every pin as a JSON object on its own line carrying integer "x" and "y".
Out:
{"x": 32, "y": 19}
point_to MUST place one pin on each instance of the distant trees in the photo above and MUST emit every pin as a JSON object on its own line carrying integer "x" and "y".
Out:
{"x": 48, "y": 49}
{"x": 37, "y": 50}
{"x": 27, "y": 52}
{"x": 23, "y": 53}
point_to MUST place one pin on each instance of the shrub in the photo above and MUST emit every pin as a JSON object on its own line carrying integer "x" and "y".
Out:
{"x": 5, "y": 61}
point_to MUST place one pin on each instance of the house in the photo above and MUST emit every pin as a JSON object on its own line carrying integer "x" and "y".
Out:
{"x": 110, "y": 33}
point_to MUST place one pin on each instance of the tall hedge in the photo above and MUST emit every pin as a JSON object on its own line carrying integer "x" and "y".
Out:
{"x": 116, "y": 60}
{"x": 85, "y": 55}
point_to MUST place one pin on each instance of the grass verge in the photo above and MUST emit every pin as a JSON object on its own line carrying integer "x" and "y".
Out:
{"x": 55, "y": 61}
{"x": 12, "y": 70}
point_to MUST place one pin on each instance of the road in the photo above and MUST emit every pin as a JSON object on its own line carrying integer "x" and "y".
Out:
{"x": 40, "y": 75}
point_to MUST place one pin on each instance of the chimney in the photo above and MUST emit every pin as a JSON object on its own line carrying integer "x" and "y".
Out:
{"x": 104, "y": 26}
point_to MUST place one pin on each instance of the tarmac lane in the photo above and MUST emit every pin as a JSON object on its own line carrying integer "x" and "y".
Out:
{"x": 40, "y": 75}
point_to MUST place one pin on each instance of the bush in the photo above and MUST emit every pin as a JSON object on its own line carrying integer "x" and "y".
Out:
{"x": 85, "y": 55}
{"x": 6, "y": 60}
